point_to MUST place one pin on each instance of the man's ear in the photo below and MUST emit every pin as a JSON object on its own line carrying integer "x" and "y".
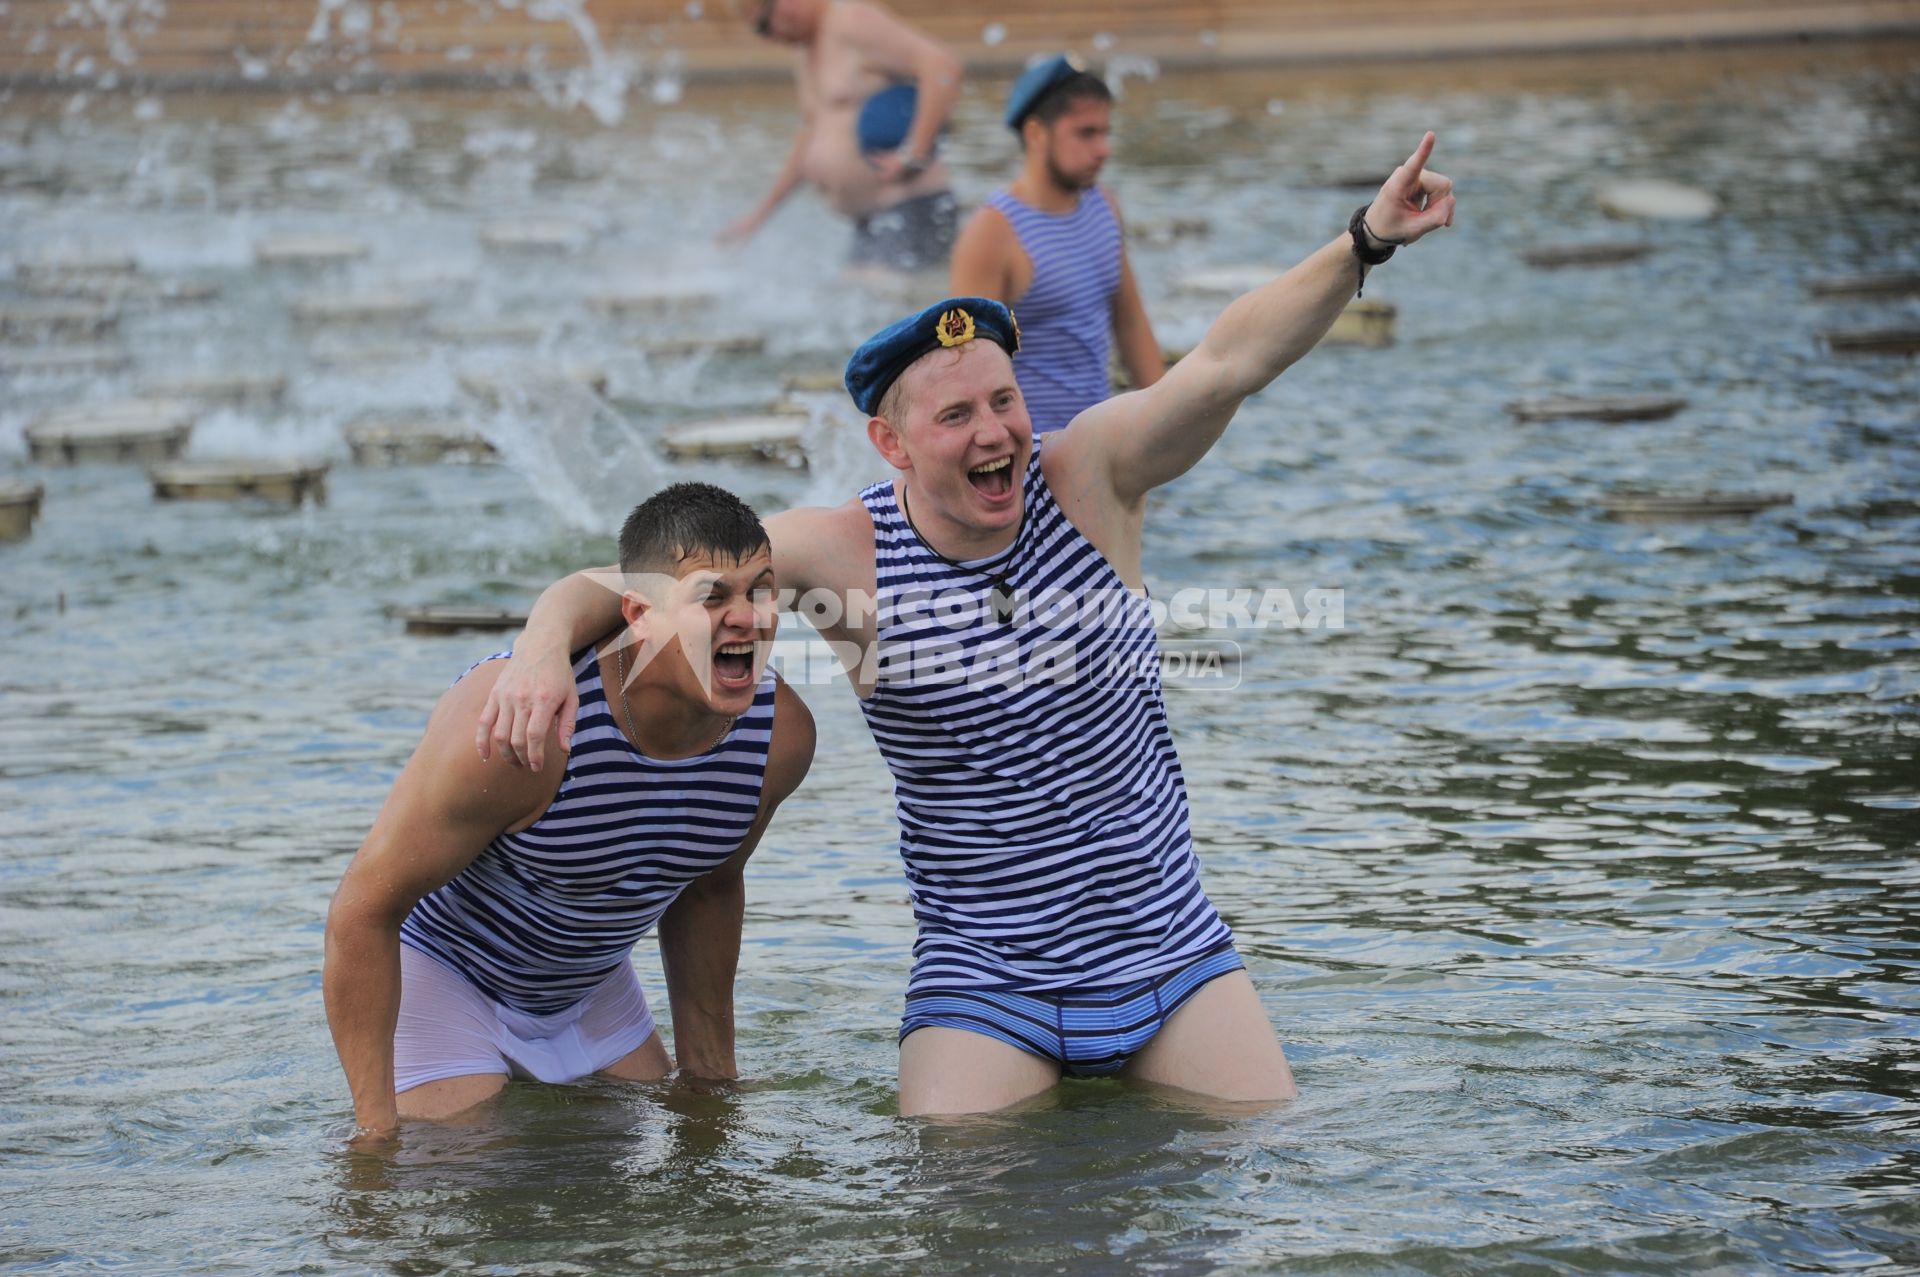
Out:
{"x": 635, "y": 610}
{"x": 887, "y": 440}
{"x": 640, "y": 597}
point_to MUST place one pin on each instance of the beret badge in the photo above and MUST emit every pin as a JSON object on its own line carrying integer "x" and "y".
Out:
{"x": 954, "y": 327}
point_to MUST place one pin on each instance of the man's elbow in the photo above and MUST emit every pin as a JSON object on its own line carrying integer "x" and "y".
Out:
{"x": 943, "y": 69}
{"x": 356, "y": 916}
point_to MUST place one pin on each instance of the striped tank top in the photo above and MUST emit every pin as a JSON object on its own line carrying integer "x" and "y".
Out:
{"x": 541, "y": 917}
{"x": 1043, "y": 814}
{"x": 1066, "y": 315}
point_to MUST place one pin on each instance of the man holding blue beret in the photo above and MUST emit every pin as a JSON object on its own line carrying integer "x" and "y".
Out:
{"x": 1052, "y": 246}
{"x": 1044, "y": 827}
{"x": 889, "y": 181}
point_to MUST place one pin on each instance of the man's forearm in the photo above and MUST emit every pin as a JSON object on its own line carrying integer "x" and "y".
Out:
{"x": 939, "y": 89}
{"x": 1262, "y": 333}
{"x": 571, "y": 613}
{"x": 700, "y": 953}
{"x": 361, "y": 983}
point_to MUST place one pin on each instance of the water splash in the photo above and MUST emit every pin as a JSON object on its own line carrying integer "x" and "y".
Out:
{"x": 600, "y": 84}
{"x": 583, "y": 460}
{"x": 1124, "y": 66}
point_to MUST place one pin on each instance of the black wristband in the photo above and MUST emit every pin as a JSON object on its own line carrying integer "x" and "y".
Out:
{"x": 1357, "y": 227}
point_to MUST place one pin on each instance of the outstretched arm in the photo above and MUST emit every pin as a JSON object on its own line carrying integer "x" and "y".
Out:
{"x": 537, "y": 685}
{"x": 700, "y": 932}
{"x": 784, "y": 184}
{"x": 1155, "y": 435}
{"x": 445, "y": 808}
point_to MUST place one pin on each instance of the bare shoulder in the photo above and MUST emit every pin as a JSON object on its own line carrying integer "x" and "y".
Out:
{"x": 791, "y": 751}
{"x": 1078, "y": 461}
{"x": 449, "y": 772}
{"x": 983, "y": 255}
{"x": 821, "y": 545}
{"x": 986, "y": 230}
{"x": 848, "y": 519}
{"x": 1113, "y": 205}
{"x": 857, "y": 19}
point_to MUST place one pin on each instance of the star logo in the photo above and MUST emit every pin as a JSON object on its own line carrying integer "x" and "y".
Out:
{"x": 954, "y": 327}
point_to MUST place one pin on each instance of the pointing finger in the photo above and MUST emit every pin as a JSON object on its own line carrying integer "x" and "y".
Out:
{"x": 1418, "y": 160}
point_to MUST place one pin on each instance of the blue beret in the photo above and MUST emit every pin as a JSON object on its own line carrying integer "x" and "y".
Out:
{"x": 954, "y": 322}
{"x": 1034, "y": 83}
{"x": 886, "y": 117}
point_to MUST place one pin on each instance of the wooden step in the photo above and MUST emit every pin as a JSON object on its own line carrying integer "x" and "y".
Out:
{"x": 396, "y": 441}
{"x": 19, "y": 506}
{"x": 1647, "y": 506}
{"x": 458, "y": 620}
{"x": 288, "y": 480}
{"x": 772, "y": 437}
{"x": 1873, "y": 341}
{"x": 1597, "y": 408}
{"x": 1559, "y": 256}
{"x": 114, "y": 430}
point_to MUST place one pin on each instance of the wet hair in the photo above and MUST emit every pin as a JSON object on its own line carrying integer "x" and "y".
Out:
{"x": 1058, "y": 100}
{"x": 686, "y": 519}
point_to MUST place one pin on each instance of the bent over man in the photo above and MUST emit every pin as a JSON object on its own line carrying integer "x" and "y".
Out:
{"x": 1044, "y": 823}
{"x": 485, "y": 927}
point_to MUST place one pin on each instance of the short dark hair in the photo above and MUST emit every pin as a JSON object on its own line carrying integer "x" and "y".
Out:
{"x": 687, "y": 519}
{"x": 1059, "y": 99}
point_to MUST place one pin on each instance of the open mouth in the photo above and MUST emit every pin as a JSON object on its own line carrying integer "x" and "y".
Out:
{"x": 994, "y": 478}
{"x": 733, "y": 665}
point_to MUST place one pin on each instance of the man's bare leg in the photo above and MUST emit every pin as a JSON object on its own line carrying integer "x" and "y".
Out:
{"x": 644, "y": 1063}
{"x": 953, "y": 1071}
{"x": 1219, "y": 1044}
{"x": 448, "y": 1097}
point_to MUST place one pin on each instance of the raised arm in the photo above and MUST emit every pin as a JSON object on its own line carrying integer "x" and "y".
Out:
{"x": 784, "y": 184}
{"x": 444, "y": 809}
{"x": 537, "y": 685}
{"x": 699, "y": 933}
{"x": 1152, "y": 436}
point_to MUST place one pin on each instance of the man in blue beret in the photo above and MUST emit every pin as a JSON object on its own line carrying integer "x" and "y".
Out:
{"x": 1052, "y": 246}
{"x": 899, "y": 199}
{"x": 1043, "y": 819}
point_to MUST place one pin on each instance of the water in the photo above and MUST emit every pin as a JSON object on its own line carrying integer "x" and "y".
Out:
{"x": 1576, "y": 870}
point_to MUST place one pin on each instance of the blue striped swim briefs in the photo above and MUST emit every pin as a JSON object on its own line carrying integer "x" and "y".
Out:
{"x": 1087, "y": 1032}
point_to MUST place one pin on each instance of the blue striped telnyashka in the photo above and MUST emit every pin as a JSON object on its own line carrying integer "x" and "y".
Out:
{"x": 1043, "y": 814}
{"x": 1066, "y": 314}
{"x": 541, "y": 917}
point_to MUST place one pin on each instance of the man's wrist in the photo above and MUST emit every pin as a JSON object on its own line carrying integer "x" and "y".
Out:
{"x": 715, "y": 1067}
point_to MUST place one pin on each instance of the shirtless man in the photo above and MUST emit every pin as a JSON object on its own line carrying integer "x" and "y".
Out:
{"x": 1044, "y": 824}
{"x": 900, "y": 203}
{"x": 485, "y": 926}
{"x": 1052, "y": 246}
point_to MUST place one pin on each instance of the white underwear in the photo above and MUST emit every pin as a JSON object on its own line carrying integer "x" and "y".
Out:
{"x": 448, "y": 1028}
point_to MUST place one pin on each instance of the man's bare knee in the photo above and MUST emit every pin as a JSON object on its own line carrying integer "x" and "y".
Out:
{"x": 448, "y": 1097}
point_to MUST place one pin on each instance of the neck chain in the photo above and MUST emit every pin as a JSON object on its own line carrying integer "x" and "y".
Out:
{"x": 620, "y": 672}
{"x": 1002, "y": 597}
